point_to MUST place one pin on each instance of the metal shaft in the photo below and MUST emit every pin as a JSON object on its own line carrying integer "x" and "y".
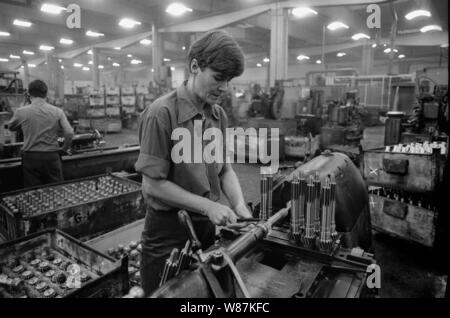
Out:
{"x": 317, "y": 203}
{"x": 302, "y": 200}
{"x": 295, "y": 209}
{"x": 309, "y": 231}
{"x": 269, "y": 194}
{"x": 333, "y": 206}
{"x": 263, "y": 214}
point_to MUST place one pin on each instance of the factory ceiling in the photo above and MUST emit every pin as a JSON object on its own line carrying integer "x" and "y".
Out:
{"x": 248, "y": 20}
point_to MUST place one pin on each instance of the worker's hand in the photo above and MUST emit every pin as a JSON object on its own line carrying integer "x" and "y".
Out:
{"x": 220, "y": 214}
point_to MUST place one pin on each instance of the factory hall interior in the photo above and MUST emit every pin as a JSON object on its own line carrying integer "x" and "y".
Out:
{"x": 224, "y": 149}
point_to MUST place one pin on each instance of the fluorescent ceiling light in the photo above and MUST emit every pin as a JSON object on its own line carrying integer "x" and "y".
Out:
{"x": 116, "y": 64}
{"x": 172, "y": 68}
{"x": 59, "y": 60}
{"x": 128, "y": 23}
{"x": 374, "y": 45}
{"x": 130, "y": 55}
{"x": 145, "y": 42}
{"x": 153, "y": 70}
{"x": 4, "y": 33}
{"x": 46, "y": 48}
{"x": 94, "y": 34}
{"x": 90, "y": 62}
{"x": 401, "y": 56}
{"x": 14, "y": 57}
{"x": 359, "y": 36}
{"x": 432, "y": 27}
{"x": 85, "y": 68}
{"x": 62, "y": 67}
{"x": 101, "y": 67}
{"x": 77, "y": 65}
{"x": 183, "y": 48}
{"x": 28, "y": 52}
{"x": 90, "y": 52}
{"x": 341, "y": 54}
{"x": 166, "y": 60}
{"x": 52, "y": 8}
{"x": 266, "y": 60}
{"x": 336, "y": 25}
{"x": 318, "y": 62}
{"x": 417, "y": 13}
{"x": 136, "y": 62}
{"x": 31, "y": 65}
{"x": 109, "y": 58}
{"x": 66, "y": 41}
{"x": 22, "y": 23}
{"x": 3, "y": 59}
{"x": 177, "y": 9}
{"x": 388, "y": 50}
{"x": 117, "y": 48}
{"x": 302, "y": 57}
{"x": 444, "y": 45}
{"x": 258, "y": 65}
{"x": 301, "y": 12}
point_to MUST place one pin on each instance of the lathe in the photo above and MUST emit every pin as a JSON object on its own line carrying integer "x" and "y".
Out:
{"x": 310, "y": 238}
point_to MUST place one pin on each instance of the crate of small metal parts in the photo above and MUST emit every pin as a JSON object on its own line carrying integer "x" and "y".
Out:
{"x": 414, "y": 167}
{"x": 83, "y": 208}
{"x": 52, "y": 264}
{"x": 410, "y": 216}
{"x": 124, "y": 241}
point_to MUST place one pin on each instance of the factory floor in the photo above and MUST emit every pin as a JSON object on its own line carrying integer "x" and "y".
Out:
{"x": 407, "y": 270}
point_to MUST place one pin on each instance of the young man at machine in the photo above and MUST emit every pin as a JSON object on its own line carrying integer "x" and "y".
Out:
{"x": 42, "y": 124}
{"x": 213, "y": 60}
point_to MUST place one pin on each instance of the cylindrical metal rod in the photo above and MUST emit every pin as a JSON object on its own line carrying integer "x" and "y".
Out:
{"x": 317, "y": 203}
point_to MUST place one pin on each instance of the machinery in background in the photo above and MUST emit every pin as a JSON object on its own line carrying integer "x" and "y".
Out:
{"x": 266, "y": 105}
{"x": 10, "y": 84}
{"x": 282, "y": 258}
{"x": 128, "y": 113}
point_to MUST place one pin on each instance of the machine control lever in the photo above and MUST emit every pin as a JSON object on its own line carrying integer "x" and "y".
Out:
{"x": 185, "y": 219}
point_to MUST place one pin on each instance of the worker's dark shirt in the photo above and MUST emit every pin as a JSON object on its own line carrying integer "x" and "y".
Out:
{"x": 41, "y": 124}
{"x": 156, "y": 125}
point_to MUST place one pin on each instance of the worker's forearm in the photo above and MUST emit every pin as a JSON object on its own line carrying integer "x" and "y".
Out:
{"x": 67, "y": 142}
{"x": 175, "y": 196}
{"x": 232, "y": 188}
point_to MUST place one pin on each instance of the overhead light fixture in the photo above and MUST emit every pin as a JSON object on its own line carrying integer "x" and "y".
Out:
{"x": 85, "y": 68}
{"x": 32, "y": 65}
{"x": 401, "y": 56}
{"x": 302, "y": 57}
{"x": 4, "y": 33}
{"x": 177, "y": 9}
{"x": 128, "y": 23}
{"x": 145, "y": 42}
{"x": 3, "y": 59}
{"x": 101, "y": 67}
{"x": 59, "y": 60}
{"x": 66, "y": 41}
{"x": 389, "y": 50}
{"x": 77, "y": 65}
{"x": 135, "y": 62}
{"x": 90, "y": 62}
{"x": 22, "y": 23}
{"x": 337, "y": 25}
{"x": 444, "y": 45}
{"x": 432, "y": 27}
{"x": 183, "y": 48}
{"x": 258, "y": 65}
{"x": 116, "y": 64}
{"x": 153, "y": 70}
{"x": 166, "y": 60}
{"x": 62, "y": 67}
{"x": 301, "y": 12}
{"x": 266, "y": 60}
{"x": 318, "y": 62}
{"x": 129, "y": 55}
{"x": 417, "y": 13}
{"x": 28, "y": 52}
{"x": 172, "y": 68}
{"x": 118, "y": 48}
{"x": 341, "y": 54}
{"x": 46, "y": 48}
{"x": 14, "y": 57}
{"x": 90, "y": 52}
{"x": 94, "y": 34}
{"x": 359, "y": 36}
{"x": 109, "y": 58}
{"x": 52, "y": 8}
{"x": 374, "y": 45}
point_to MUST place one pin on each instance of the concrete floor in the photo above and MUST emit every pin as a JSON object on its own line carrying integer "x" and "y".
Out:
{"x": 407, "y": 270}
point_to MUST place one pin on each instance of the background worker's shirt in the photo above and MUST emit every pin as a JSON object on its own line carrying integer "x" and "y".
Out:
{"x": 41, "y": 124}
{"x": 157, "y": 122}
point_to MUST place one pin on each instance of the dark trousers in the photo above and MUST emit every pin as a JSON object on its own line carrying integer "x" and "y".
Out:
{"x": 162, "y": 233}
{"x": 41, "y": 168}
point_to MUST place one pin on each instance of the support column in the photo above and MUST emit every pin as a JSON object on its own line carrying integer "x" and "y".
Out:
{"x": 157, "y": 47}
{"x": 26, "y": 74}
{"x": 278, "y": 44}
{"x": 52, "y": 76}
{"x": 367, "y": 59}
{"x": 95, "y": 71}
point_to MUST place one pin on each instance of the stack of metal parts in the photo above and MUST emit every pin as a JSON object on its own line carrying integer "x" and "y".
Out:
{"x": 313, "y": 207}
{"x": 266, "y": 190}
{"x": 177, "y": 261}
{"x": 133, "y": 251}
{"x": 56, "y": 197}
{"x": 419, "y": 148}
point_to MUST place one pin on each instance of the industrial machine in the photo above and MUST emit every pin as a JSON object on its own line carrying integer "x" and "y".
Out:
{"x": 266, "y": 105}
{"x": 310, "y": 237}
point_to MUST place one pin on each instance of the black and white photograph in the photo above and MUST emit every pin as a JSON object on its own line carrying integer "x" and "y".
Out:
{"x": 235, "y": 156}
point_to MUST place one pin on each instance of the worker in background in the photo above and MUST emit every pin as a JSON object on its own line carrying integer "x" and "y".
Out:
{"x": 41, "y": 124}
{"x": 213, "y": 60}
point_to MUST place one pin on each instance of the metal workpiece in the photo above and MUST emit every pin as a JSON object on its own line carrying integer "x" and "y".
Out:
{"x": 184, "y": 257}
{"x": 334, "y": 233}
{"x": 170, "y": 267}
{"x": 263, "y": 213}
{"x": 295, "y": 209}
{"x": 269, "y": 194}
{"x": 308, "y": 239}
{"x": 317, "y": 203}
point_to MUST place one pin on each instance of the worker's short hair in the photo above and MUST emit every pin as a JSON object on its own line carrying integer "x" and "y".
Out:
{"x": 38, "y": 88}
{"x": 218, "y": 51}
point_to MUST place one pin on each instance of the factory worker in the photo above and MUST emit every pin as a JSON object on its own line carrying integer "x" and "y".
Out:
{"x": 169, "y": 185}
{"x": 42, "y": 124}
